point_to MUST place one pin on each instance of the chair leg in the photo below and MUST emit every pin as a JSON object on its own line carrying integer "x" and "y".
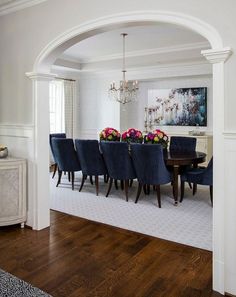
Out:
{"x": 69, "y": 176}
{"x": 148, "y": 189}
{"x": 190, "y": 185}
{"x": 106, "y": 178}
{"x": 54, "y": 169}
{"x": 116, "y": 184}
{"x": 145, "y": 189}
{"x": 96, "y": 183}
{"x": 194, "y": 189}
{"x": 91, "y": 179}
{"x": 122, "y": 184}
{"x": 126, "y": 189}
{"x": 72, "y": 179}
{"x": 211, "y": 194}
{"x": 158, "y": 195}
{"x": 82, "y": 182}
{"x": 138, "y": 192}
{"x": 110, "y": 185}
{"x": 130, "y": 183}
{"x": 182, "y": 191}
{"x": 59, "y": 177}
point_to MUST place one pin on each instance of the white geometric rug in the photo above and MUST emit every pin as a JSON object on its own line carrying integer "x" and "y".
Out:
{"x": 189, "y": 223}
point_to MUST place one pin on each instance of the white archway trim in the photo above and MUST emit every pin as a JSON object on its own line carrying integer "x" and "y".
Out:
{"x": 38, "y": 191}
{"x": 46, "y": 58}
{"x": 41, "y": 76}
{"x": 217, "y": 55}
{"x": 59, "y": 44}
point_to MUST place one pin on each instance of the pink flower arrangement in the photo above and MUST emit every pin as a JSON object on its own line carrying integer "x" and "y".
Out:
{"x": 158, "y": 137}
{"x": 132, "y": 135}
{"x": 109, "y": 134}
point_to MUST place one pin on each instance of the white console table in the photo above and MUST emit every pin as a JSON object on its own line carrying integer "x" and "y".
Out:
{"x": 12, "y": 191}
{"x": 204, "y": 144}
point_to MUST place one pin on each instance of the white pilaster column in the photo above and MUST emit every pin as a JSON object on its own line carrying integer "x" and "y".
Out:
{"x": 38, "y": 176}
{"x": 218, "y": 58}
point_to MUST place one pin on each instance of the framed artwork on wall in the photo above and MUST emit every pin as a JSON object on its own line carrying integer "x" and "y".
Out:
{"x": 177, "y": 107}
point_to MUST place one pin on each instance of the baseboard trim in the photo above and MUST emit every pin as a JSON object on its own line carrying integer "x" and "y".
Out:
{"x": 229, "y": 295}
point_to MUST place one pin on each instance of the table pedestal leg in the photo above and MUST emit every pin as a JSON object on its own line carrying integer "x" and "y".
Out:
{"x": 175, "y": 183}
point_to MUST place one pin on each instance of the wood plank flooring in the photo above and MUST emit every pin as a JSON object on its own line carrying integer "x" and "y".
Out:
{"x": 77, "y": 257}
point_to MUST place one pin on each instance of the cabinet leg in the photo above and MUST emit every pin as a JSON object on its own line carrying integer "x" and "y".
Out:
{"x": 22, "y": 225}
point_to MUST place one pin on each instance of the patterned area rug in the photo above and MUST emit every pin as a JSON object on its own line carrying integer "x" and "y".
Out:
{"x": 189, "y": 223}
{"x": 11, "y": 286}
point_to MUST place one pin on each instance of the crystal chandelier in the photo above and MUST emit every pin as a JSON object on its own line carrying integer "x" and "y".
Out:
{"x": 128, "y": 90}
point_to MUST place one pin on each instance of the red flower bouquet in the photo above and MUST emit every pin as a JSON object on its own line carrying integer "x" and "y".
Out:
{"x": 157, "y": 137}
{"x": 132, "y": 135}
{"x": 109, "y": 134}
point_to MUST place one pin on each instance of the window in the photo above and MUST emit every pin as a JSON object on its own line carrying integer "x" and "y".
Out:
{"x": 57, "y": 107}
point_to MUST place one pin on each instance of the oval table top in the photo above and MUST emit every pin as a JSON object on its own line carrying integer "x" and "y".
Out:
{"x": 184, "y": 158}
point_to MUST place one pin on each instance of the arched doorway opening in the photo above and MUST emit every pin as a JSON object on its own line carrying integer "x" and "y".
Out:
{"x": 39, "y": 183}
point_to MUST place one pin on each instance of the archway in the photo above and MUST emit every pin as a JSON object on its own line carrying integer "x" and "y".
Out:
{"x": 39, "y": 182}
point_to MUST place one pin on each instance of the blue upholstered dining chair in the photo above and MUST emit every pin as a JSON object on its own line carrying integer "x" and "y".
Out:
{"x": 150, "y": 167}
{"x": 55, "y": 135}
{"x": 66, "y": 157}
{"x": 182, "y": 144}
{"x": 118, "y": 163}
{"x": 201, "y": 176}
{"x": 91, "y": 160}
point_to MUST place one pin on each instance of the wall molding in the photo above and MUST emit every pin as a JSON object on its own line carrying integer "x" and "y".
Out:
{"x": 16, "y": 130}
{"x": 16, "y": 5}
{"x": 230, "y": 134}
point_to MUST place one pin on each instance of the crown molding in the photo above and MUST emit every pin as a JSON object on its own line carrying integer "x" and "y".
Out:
{"x": 18, "y": 5}
{"x": 166, "y": 71}
{"x": 140, "y": 53}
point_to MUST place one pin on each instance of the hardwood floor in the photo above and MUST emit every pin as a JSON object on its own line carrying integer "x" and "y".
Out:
{"x": 77, "y": 257}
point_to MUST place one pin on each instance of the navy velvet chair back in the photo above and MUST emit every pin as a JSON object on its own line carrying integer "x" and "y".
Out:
{"x": 149, "y": 164}
{"x": 201, "y": 176}
{"x": 182, "y": 144}
{"x": 90, "y": 157}
{"x": 55, "y": 135}
{"x": 207, "y": 175}
{"x": 118, "y": 160}
{"x": 65, "y": 154}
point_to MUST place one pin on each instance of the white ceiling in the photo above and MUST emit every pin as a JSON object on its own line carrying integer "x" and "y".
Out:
{"x": 9, "y": 6}
{"x": 139, "y": 38}
{"x": 2, "y": 2}
{"x": 145, "y": 46}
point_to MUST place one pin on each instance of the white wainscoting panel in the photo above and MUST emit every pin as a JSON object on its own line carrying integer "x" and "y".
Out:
{"x": 88, "y": 134}
{"x": 18, "y": 139}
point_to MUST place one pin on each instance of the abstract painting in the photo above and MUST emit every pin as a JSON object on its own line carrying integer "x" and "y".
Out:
{"x": 179, "y": 107}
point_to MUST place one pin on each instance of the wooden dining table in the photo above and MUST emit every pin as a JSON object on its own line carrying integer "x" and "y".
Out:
{"x": 178, "y": 160}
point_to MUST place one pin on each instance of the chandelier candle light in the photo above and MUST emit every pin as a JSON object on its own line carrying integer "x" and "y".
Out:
{"x": 128, "y": 90}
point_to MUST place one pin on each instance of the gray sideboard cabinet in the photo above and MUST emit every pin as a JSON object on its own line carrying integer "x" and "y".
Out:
{"x": 12, "y": 191}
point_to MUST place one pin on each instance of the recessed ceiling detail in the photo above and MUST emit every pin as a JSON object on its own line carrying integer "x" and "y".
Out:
{"x": 148, "y": 45}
